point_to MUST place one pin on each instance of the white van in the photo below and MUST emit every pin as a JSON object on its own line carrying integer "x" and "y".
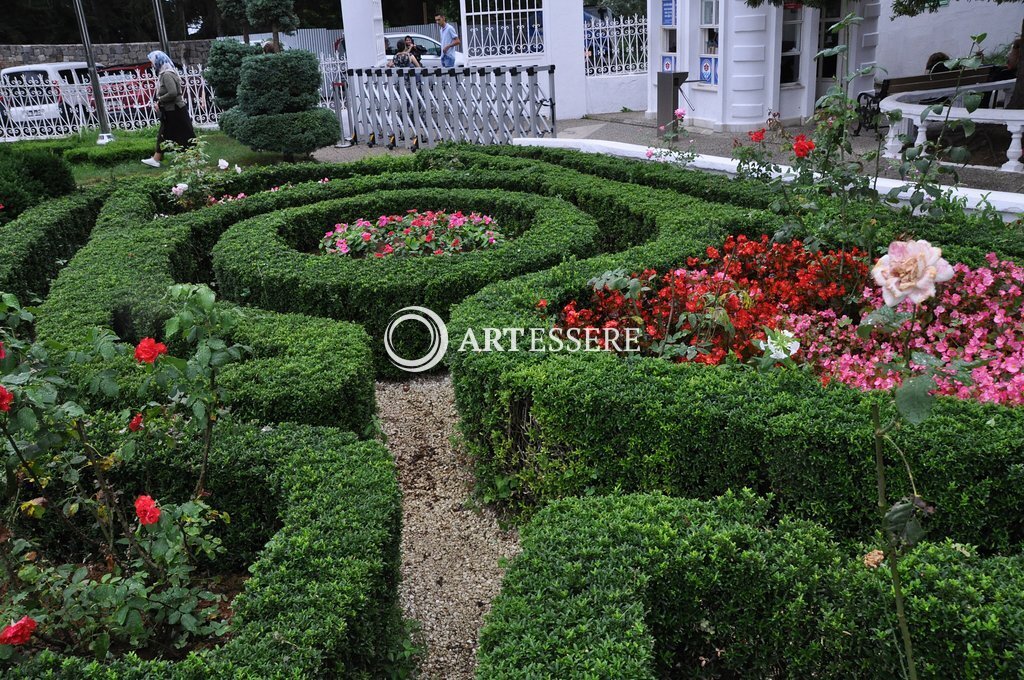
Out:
{"x": 42, "y": 92}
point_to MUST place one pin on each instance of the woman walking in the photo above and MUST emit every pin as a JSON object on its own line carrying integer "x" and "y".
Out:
{"x": 175, "y": 125}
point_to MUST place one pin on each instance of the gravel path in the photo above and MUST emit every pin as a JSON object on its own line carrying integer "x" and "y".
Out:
{"x": 450, "y": 550}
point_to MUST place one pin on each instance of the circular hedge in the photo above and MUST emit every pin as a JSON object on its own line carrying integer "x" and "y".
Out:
{"x": 260, "y": 262}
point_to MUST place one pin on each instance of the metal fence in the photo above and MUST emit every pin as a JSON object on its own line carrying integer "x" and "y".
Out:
{"x": 41, "y": 109}
{"x": 616, "y": 46}
{"x": 36, "y": 108}
{"x": 516, "y": 28}
{"x": 422, "y": 107}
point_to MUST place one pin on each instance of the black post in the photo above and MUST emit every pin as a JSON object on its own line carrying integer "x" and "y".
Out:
{"x": 101, "y": 109}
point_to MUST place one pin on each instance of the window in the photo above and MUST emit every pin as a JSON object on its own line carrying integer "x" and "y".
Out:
{"x": 428, "y": 47}
{"x": 792, "y": 25}
{"x": 709, "y": 26}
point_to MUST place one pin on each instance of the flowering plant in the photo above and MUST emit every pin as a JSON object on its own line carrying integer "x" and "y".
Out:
{"x": 412, "y": 234}
{"x": 139, "y": 584}
{"x": 723, "y": 305}
{"x": 671, "y": 135}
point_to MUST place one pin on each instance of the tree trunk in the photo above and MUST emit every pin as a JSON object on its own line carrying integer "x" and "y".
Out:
{"x": 277, "y": 38}
{"x": 1017, "y": 98}
{"x": 245, "y": 32}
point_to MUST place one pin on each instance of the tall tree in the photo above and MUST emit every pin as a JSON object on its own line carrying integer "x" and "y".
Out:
{"x": 912, "y": 8}
{"x": 235, "y": 11}
{"x": 278, "y": 15}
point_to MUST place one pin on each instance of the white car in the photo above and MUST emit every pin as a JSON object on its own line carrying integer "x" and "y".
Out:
{"x": 43, "y": 92}
{"x": 429, "y": 53}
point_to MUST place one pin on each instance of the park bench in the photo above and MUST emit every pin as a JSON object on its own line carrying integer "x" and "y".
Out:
{"x": 867, "y": 102}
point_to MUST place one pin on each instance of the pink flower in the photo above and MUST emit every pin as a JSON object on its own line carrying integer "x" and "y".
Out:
{"x": 650, "y": 153}
{"x": 367, "y": 236}
{"x": 20, "y": 632}
{"x": 910, "y": 270}
{"x": 680, "y": 113}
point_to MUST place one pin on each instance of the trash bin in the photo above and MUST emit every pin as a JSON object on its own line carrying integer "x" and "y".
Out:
{"x": 669, "y": 83}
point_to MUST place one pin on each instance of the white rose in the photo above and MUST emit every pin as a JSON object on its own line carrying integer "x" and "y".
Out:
{"x": 222, "y": 164}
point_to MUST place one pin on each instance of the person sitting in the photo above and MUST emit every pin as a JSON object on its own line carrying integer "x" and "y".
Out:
{"x": 414, "y": 49}
{"x": 403, "y": 58}
{"x": 935, "y": 63}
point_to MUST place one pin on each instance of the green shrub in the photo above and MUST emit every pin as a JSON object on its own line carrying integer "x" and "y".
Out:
{"x": 261, "y": 261}
{"x": 35, "y": 245}
{"x": 119, "y": 151}
{"x": 291, "y": 376}
{"x": 288, "y": 133}
{"x": 649, "y": 586}
{"x": 287, "y": 82}
{"x": 29, "y": 177}
{"x": 322, "y": 599}
{"x": 223, "y": 69}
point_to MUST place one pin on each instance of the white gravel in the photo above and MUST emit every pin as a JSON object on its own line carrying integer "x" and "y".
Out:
{"x": 450, "y": 547}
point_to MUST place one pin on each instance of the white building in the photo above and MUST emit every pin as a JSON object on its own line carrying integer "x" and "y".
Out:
{"x": 745, "y": 62}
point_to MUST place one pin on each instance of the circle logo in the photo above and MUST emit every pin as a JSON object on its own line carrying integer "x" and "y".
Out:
{"x": 438, "y": 339}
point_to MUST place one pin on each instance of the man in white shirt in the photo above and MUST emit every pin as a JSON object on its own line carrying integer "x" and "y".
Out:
{"x": 449, "y": 41}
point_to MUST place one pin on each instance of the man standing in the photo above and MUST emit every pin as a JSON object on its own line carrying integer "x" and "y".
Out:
{"x": 449, "y": 41}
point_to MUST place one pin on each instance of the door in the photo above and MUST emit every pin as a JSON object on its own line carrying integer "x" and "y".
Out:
{"x": 827, "y": 67}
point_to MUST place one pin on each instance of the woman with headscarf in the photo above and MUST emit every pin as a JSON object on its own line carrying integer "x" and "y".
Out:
{"x": 175, "y": 125}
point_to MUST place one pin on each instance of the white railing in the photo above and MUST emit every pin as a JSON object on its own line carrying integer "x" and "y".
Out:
{"x": 39, "y": 109}
{"x": 616, "y": 46}
{"x": 517, "y": 28}
{"x": 34, "y": 108}
{"x": 909, "y": 104}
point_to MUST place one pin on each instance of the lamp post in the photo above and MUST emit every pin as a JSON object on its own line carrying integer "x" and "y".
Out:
{"x": 161, "y": 27}
{"x": 101, "y": 109}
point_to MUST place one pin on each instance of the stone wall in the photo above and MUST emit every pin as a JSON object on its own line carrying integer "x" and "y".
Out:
{"x": 183, "y": 52}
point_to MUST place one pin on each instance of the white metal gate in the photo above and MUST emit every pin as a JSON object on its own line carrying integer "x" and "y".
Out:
{"x": 420, "y": 107}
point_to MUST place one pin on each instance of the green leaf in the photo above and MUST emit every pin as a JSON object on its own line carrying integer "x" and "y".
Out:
{"x": 100, "y": 646}
{"x": 26, "y": 419}
{"x": 972, "y": 100}
{"x": 913, "y": 398}
{"x": 171, "y": 327}
{"x": 206, "y": 298}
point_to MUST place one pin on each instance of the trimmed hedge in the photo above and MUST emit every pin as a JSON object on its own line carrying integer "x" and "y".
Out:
{"x": 259, "y": 261}
{"x": 547, "y": 426}
{"x": 34, "y": 246}
{"x": 322, "y": 599}
{"x": 28, "y": 178}
{"x": 223, "y": 69}
{"x": 650, "y": 586}
{"x": 292, "y": 375}
{"x": 300, "y": 132}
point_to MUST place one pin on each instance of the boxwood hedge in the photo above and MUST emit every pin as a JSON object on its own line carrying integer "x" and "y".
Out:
{"x": 265, "y": 261}
{"x": 300, "y": 364}
{"x": 35, "y": 245}
{"x": 648, "y": 586}
{"x": 547, "y": 426}
{"x": 321, "y": 601}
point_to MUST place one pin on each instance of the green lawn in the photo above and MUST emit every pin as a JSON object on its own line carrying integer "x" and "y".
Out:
{"x": 122, "y": 157}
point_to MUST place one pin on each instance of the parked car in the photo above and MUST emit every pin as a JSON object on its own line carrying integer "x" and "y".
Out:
{"x": 429, "y": 53}
{"x": 127, "y": 89}
{"x": 43, "y": 92}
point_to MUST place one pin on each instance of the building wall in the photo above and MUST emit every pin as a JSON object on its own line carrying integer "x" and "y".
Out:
{"x": 183, "y": 52}
{"x": 905, "y": 43}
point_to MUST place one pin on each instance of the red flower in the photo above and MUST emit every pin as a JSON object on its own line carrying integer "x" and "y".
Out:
{"x": 756, "y": 135}
{"x": 5, "y": 399}
{"x": 802, "y": 146}
{"x": 712, "y": 253}
{"x": 148, "y": 350}
{"x": 18, "y": 633}
{"x": 3, "y": 354}
{"x": 145, "y": 508}
{"x": 542, "y": 305}
{"x": 136, "y": 423}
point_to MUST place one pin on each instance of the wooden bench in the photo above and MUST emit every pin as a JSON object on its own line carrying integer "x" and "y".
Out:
{"x": 867, "y": 102}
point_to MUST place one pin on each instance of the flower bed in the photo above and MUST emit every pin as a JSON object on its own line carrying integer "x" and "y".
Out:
{"x": 412, "y": 234}
{"x": 722, "y": 306}
{"x": 976, "y": 317}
